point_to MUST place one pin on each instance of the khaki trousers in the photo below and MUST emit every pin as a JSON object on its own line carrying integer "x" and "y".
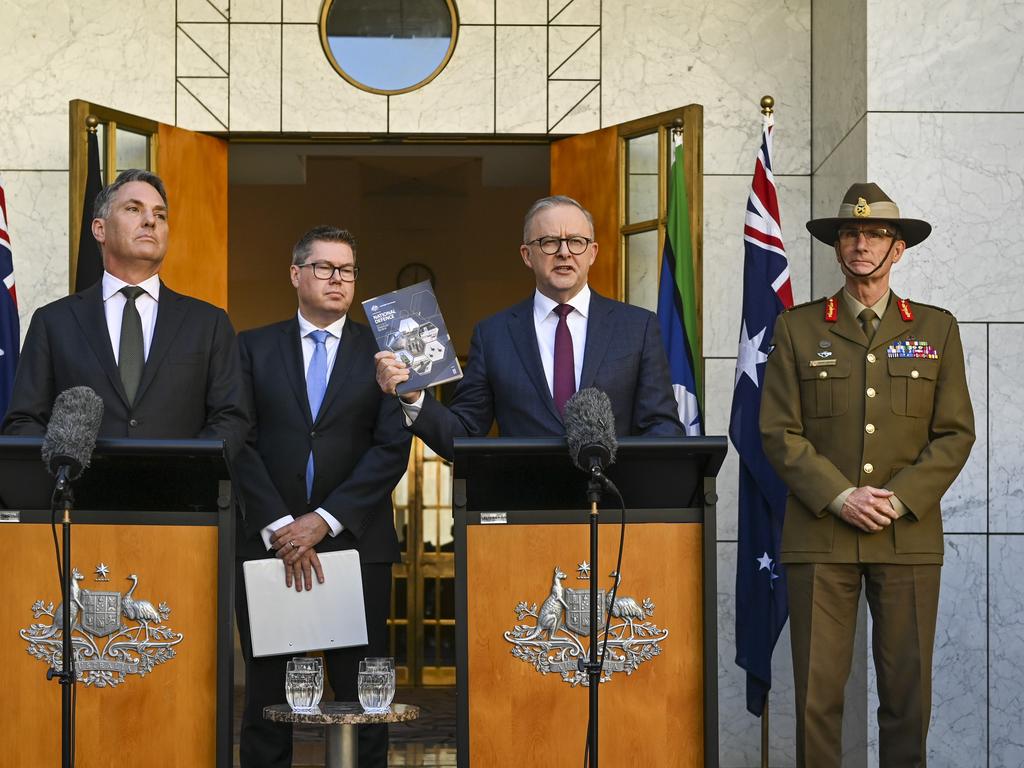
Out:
{"x": 903, "y": 600}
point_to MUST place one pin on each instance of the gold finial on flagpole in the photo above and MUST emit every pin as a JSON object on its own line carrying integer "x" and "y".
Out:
{"x": 92, "y": 123}
{"x": 767, "y": 105}
{"x": 677, "y": 128}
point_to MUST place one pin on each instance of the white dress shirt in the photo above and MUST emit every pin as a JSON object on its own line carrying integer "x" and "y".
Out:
{"x": 113, "y": 309}
{"x": 308, "y": 345}
{"x": 545, "y": 323}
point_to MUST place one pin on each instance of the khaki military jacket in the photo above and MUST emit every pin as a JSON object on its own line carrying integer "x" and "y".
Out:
{"x": 838, "y": 412}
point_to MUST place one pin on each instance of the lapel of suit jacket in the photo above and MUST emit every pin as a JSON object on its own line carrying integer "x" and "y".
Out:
{"x": 524, "y": 339}
{"x": 291, "y": 354}
{"x": 891, "y": 325}
{"x": 343, "y": 361}
{"x": 599, "y": 333}
{"x": 170, "y": 314}
{"x": 88, "y": 312}
{"x": 846, "y": 325}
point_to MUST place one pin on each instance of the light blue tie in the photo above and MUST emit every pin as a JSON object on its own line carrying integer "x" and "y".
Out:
{"x": 316, "y": 386}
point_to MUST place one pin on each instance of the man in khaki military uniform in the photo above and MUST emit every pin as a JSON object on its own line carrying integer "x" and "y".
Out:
{"x": 866, "y": 417}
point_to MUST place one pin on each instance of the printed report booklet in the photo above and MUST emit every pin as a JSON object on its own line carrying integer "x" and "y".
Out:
{"x": 408, "y": 322}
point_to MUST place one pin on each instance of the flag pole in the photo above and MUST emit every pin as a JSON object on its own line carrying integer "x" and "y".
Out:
{"x": 767, "y": 108}
{"x": 764, "y": 735}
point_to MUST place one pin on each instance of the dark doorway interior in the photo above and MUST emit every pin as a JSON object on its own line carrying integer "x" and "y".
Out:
{"x": 456, "y": 208}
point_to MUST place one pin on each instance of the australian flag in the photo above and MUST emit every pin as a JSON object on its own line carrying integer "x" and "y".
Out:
{"x": 10, "y": 334}
{"x": 761, "y": 605}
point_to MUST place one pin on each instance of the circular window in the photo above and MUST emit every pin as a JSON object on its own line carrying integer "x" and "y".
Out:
{"x": 388, "y": 46}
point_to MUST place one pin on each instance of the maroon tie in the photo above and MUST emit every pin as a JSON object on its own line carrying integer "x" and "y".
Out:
{"x": 565, "y": 366}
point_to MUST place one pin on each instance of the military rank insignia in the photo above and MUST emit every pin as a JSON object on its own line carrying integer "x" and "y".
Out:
{"x": 911, "y": 347}
{"x": 831, "y": 310}
{"x": 905, "y": 313}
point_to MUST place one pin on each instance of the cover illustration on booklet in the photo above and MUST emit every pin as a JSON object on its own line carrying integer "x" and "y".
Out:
{"x": 408, "y": 322}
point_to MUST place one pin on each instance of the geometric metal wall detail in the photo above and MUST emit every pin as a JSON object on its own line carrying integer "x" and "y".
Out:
{"x": 202, "y": 64}
{"x": 574, "y": 62}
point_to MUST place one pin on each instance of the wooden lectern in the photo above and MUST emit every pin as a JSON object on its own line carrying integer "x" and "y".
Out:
{"x": 152, "y": 555}
{"x": 522, "y": 606}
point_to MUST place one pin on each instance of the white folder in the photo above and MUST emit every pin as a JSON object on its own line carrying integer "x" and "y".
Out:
{"x": 331, "y": 615}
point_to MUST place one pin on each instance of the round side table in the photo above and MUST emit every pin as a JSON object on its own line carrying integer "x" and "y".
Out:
{"x": 340, "y": 719}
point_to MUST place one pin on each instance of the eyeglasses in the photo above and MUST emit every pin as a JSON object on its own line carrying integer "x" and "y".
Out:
{"x": 873, "y": 235}
{"x": 323, "y": 270}
{"x": 576, "y": 244}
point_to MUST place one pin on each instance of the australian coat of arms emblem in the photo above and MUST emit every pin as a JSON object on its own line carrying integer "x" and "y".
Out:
{"x": 558, "y": 638}
{"x": 113, "y": 634}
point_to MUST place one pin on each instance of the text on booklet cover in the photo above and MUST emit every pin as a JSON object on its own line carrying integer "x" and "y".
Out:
{"x": 408, "y": 322}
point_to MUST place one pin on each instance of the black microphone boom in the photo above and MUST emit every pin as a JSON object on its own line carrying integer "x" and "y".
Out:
{"x": 590, "y": 430}
{"x": 71, "y": 432}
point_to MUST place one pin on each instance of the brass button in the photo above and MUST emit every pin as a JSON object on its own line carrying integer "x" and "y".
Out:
{"x": 868, "y": 469}
{"x": 869, "y": 428}
{"x": 914, "y": 374}
{"x": 871, "y": 357}
{"x": 823, "y": 375}
{"x": 871, "y": 392}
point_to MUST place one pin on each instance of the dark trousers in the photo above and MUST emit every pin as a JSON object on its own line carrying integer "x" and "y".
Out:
{"x": 903, "y": 600}
{"x": 269, "y": 745}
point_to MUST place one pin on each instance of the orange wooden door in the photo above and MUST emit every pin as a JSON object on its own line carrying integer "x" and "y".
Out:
{"x": 194, "y": 169}
{"x": 601, "y": 170}
{"x": 586, "y": 168}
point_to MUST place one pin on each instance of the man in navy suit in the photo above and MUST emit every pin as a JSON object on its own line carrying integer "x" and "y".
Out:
{"x": 164, "y": 364}
{"x": 526, "y": 361}
{"x": 325, "y": 452}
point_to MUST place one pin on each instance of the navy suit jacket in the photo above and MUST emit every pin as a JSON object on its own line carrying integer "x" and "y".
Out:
{"x": 504, "y": 379}
{"x": 191, "y": 386}
{"x": 360, "y": 449}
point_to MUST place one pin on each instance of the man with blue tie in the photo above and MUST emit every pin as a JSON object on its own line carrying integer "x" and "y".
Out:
{"x": 527, "y": 361}
{"x": 325, "y": 452}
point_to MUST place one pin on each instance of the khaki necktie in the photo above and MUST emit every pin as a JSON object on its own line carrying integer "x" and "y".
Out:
{"x": 867, "y": 323}
{"x": 130, "y": 351}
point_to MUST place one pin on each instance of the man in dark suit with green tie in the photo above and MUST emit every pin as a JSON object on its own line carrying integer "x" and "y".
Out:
{"x": 866, "y": 417}
{"x": 165, "y": 364}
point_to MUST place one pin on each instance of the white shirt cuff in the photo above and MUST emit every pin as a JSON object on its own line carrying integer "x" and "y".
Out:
{"x": 412, "y": 410}
{"x": 331, "y": 520}
{"x": 267, "y": 532}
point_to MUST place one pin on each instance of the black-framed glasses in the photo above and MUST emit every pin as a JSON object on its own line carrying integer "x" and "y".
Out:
{"x": 324, "y": 270}
{"x": 576, "y": 244}
{"x": 871, "y": 234}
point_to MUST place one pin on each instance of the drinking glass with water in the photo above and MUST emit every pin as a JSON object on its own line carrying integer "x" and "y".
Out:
{"x": 302, "y": 689}
{"x": 310, "y": 664}
{"x": 376, "y": 684}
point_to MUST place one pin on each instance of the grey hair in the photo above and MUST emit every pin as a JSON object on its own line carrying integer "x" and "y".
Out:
{"x": 321, "y": 234}
{"x": 105, "y": 198}
{"x": 552, "y": 202}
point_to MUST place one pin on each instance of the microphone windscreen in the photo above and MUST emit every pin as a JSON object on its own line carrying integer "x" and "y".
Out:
{"x": 72, "y": 430}
{"x": 590, "y": 428}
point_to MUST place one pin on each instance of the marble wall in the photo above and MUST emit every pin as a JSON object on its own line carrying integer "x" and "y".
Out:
{"x": 931, "y": 113}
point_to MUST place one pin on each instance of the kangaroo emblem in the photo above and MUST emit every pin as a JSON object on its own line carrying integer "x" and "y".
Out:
{"x": 549, "y": 618}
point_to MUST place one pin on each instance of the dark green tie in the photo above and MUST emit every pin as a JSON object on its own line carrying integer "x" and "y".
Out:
{"x": 867, "y": 322}
{"x": 130, "y": 352}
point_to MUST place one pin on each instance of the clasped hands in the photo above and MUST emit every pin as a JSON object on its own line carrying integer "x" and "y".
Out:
{"x": 869, "y": 509}
{"x": 294, "y": 544}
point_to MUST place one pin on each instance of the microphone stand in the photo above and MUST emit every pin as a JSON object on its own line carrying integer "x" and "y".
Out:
{"x": 595, "y": 488}
{"x": 66, "y": 674}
